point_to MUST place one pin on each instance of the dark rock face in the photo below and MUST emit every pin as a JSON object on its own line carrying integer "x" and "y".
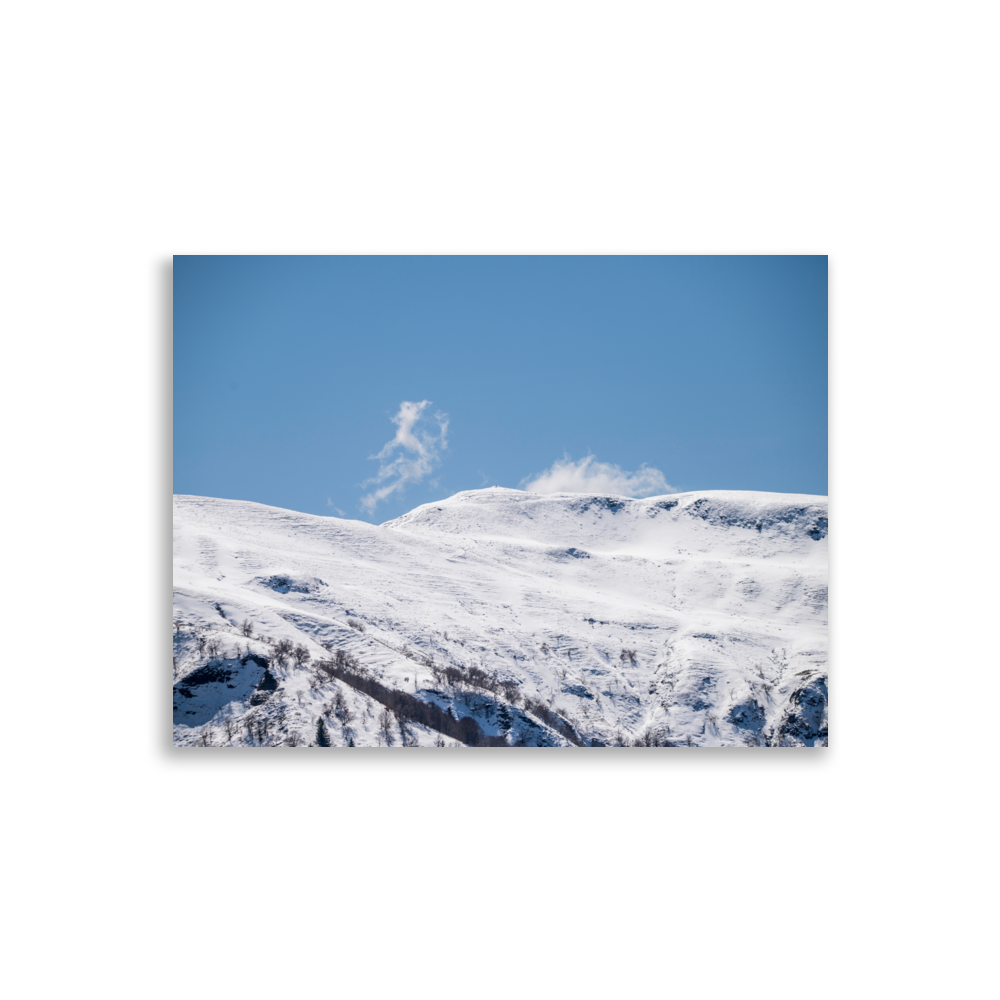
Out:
{"x": 209, "y": 674}
{"x": 808, "y": 519}
{"x": 600, "y": 503}
{"x": 655, "y": 508}
{"x": 285, "y": 585}
{"x": 267, "y": 682}
{"x": 207, "y": 689}
{"x": 748, "y": 715}
{"x": 805, "y": 720}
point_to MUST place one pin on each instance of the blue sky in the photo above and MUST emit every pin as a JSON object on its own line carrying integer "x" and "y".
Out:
{"x": 673, "y": 372}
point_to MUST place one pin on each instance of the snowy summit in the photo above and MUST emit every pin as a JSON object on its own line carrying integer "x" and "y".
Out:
{"x": 504, "y": 618}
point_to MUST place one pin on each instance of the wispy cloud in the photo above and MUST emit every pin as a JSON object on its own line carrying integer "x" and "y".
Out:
{"x": 417, "y": 453}
{"x": 590, "y": 476}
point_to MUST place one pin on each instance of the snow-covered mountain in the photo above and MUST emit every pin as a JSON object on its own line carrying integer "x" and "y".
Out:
{"x": 499, "y": 617}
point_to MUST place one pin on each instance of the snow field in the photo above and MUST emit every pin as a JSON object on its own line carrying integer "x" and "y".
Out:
{"x": 569, "y": 619}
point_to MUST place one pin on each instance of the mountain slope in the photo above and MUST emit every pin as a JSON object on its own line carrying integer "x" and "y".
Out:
{"x": 503, "y": 617}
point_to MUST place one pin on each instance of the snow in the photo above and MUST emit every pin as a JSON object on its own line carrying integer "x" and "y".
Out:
{"x": 694, "y": 619}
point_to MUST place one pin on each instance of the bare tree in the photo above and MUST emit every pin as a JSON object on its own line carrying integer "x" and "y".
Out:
{"x": 340, "y": 707}
{"x": 356, "y": 625}
{"x": 405, "y": 733}
{"x": 301, "y": 655}
{"x": 247, "y": 627}
{"x": 510, "y": 691}
{"x": 385, "y": 721}
{"x": 263, "y": 728}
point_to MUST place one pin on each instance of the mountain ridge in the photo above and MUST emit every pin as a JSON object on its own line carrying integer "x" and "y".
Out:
{"x": 687, "y": 619}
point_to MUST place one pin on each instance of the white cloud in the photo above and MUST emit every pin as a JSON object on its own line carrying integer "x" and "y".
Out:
{"x": 590, "y": 476}
{"x": 419, "y": 453}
